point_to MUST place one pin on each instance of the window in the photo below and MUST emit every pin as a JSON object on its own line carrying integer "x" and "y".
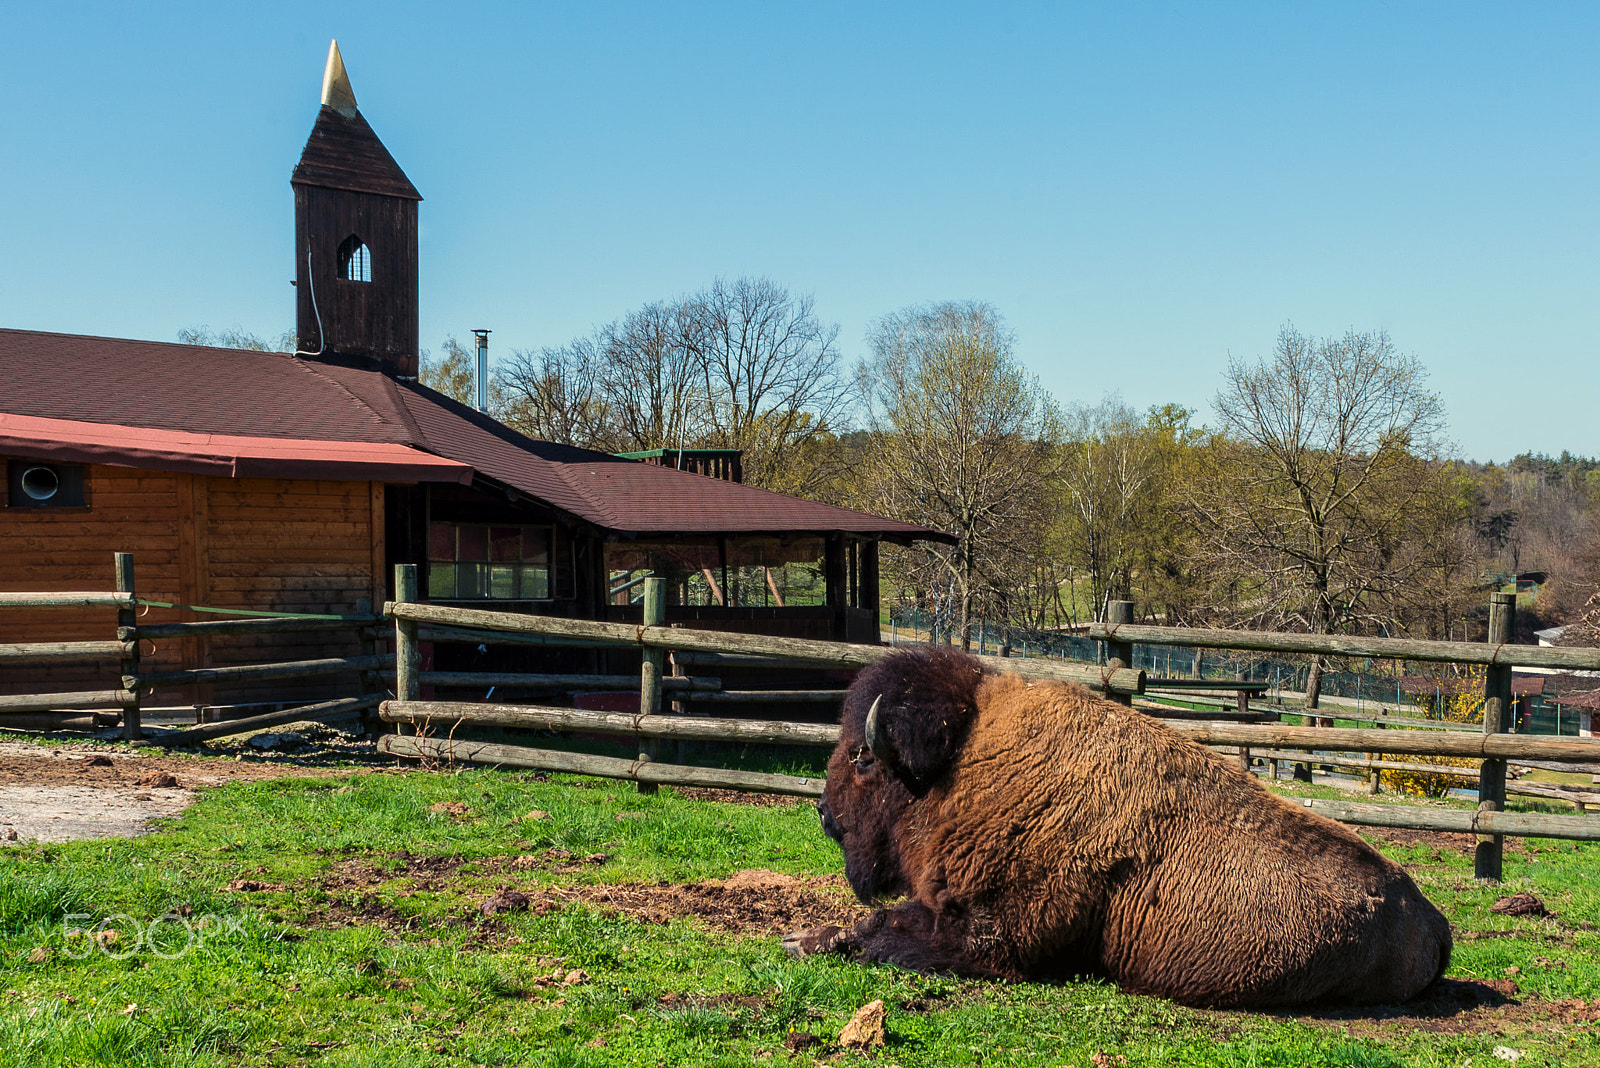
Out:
{"x": 744, "y": 572}
{"x": 480, "y": 561}
{"x": 355, "y": 263}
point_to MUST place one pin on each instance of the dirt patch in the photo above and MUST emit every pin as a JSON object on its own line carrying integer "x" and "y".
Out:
{"x": 64, "y": 793}
{"x": 739, "y": 797}
{"x": 750, "y": 902}
{"x": 1459, "y": 1007}
{"x": 1440, "y": 841}
{"x": 753, "y": 902}
{"x": 22, "y": 764}
{"x": 68, "y": 813}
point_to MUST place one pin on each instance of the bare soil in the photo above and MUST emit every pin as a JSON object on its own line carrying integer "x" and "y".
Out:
{"x": 89, "y": 790}
{"x": 754, "y": 902}
{"x": 1457, "y": 1007}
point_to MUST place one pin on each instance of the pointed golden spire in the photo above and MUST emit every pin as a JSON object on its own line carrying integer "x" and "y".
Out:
{"x": 336, "y": 91}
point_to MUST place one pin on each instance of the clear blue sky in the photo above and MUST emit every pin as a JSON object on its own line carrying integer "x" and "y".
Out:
{"x": 1140, "y": 189}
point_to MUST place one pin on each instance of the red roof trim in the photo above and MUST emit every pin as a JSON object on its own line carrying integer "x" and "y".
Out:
{"x": 223, "y": 455}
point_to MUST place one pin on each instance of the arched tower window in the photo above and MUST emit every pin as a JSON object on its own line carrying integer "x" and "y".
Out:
{"x": 355, "y": 262}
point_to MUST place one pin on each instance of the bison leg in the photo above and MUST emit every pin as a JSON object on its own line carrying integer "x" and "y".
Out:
{"x": 815, "y": 940}
{"x": 913, "y": 936}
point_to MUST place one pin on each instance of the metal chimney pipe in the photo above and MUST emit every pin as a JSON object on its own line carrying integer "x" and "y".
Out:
{"x": 483, "y": 369}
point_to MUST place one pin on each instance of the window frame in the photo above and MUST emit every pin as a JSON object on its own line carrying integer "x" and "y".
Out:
{"x": 486, "y": 566}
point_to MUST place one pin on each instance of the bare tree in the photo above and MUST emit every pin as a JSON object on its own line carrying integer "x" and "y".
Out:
{"x": 741, "y": 365}
{"x": 652, "y": 375}
{"x": 1327, "y": 489}
{"x": 558, "y": 395}
{"x": 235, "y": 337}
{"x": 771, "y": 374}
{"x": 963, "y": 436}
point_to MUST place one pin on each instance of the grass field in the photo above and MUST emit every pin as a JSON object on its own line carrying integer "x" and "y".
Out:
{"x": 355, "y": 933}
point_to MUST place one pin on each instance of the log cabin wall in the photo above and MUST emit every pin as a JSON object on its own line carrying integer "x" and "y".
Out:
{"x": 276, "y": 545}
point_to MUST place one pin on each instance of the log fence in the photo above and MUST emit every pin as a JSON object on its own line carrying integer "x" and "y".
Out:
{"x": 1490, "y": 744}
{"x": 418, "y": 721}
{"x": 708, "y": 650}
{"x": 135, "y": 682}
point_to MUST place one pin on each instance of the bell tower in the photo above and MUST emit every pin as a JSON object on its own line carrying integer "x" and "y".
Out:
{"x": 355, "y": 230}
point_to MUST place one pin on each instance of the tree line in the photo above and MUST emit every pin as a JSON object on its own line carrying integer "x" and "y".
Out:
{"x": 1325, "y": 500}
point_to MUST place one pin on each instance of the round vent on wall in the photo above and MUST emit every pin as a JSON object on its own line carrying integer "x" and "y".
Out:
{"x": 41, "y": 483}
{"x": 32, "y": 484}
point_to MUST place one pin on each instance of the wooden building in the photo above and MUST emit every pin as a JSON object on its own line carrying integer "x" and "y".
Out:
{"x": 281, "y": 482}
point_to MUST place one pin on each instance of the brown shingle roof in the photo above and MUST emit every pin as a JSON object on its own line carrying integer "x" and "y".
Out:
{"x": 343, "y": 153}
{"x": 169, "y": 386}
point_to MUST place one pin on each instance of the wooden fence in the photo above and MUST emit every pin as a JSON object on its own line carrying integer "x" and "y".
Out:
{"x": 134, "y": 682}
{"x": 1493, "y": 748}
{"x": 429, "y": 726}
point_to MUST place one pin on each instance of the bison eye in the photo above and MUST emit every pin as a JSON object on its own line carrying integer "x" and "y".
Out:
{"x": 862, "y": 758}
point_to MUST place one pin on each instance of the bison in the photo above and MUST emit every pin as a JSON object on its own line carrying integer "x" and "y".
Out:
{"x": 1037, "y": 831}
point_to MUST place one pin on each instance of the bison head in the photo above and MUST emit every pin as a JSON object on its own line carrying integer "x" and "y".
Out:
{"x": 905, "y": 718}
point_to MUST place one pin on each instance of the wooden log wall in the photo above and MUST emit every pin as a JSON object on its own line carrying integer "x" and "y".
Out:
{"x": 272, "y": 545}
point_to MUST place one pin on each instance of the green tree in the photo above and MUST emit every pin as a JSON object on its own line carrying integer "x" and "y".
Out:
{"x": 454, "y": 372}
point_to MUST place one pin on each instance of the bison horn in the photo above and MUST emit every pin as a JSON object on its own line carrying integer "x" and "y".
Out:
{"x": 878, "y": 736}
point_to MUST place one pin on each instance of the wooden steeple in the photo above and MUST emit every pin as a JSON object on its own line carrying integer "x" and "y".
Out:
{"x": 355, "y": 224}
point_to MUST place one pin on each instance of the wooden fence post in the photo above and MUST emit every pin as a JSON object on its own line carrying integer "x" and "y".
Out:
{"x": 371, "y": 679}
{"x": 128, "y": 617}
{"x": 1496, "y": 703}
{"x": 1376, "y": 785}
{"x": 1119, "y": 654}
{"x": 655, "y": 614}
{"x": 407, "y": 657}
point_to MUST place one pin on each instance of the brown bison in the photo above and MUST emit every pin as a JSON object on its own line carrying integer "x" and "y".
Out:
{"x": 1037, "y": 831}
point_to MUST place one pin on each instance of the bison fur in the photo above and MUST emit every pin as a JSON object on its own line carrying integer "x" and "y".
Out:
{"x": 1037, "y": 831}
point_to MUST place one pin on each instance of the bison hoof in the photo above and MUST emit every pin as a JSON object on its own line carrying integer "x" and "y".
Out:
{"x": 816, "y": 940}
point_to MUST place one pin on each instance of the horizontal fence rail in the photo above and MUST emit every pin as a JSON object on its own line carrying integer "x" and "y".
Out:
{"x": 1576, "y": 794}
{"x": 54, "y": 702}
{"x": 1419, "y": 743}
{"x": 563, "y": 682}
{"x": 321, "y": 711}
{"x": 764, "y": 697}
{"x": 444, "y": 715}
{"x": 66, "y": 600}
{"x": 284, "y": 669}
{"x": 131, "y": 637}
{"x": 1517, "y": 824}
{"x": 641, "y": 771}
{"x": 41, "y": 652}
{"x": 793, "y": 650}
{"x": 1176, "y": 685}
{"x": 211, "y": 628}
{"x": 1571, "y": 659}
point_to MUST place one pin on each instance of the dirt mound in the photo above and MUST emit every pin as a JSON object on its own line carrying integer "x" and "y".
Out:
{"x": 755, "y": 879}
{"x": 752, "y": 902}
{"x": 1521, "y": 904}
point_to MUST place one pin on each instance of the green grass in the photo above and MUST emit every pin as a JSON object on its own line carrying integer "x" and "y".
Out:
{"x": 268, "y": 979}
